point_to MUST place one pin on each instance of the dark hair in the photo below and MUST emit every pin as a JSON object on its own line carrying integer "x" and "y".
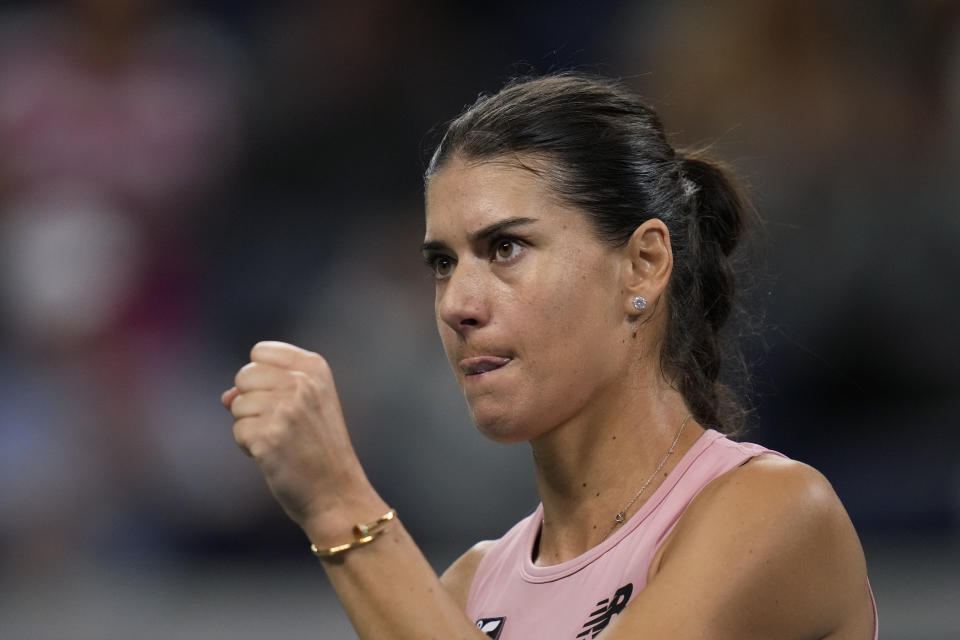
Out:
{"x": 604, "y": 151}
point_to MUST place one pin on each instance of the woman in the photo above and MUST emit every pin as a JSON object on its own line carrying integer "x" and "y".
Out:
{"x": 582, "y": 278}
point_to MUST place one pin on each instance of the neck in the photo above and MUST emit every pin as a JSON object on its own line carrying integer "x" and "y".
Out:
{"x": 590, "y": 467}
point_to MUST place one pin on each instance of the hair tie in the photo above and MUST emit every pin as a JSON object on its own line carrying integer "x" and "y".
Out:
{"x": 687, "y": 186}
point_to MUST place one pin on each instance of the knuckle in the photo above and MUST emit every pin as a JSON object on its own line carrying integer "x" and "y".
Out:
{"x": 245, "y": 405}
{"x": 269, "y": 350}
{"x": 259, "y": 349}
{"x": 274, "y": 434}
{"x": 308, "y": 390}
{"x": 241, "y": 433}
{"x": 318, "y": 365}
{"x": 244, "y": 374}
{"x": 302, "y": 381}
{"x": 257, "y": 450}
{"x": 257, "y": 438}
{"x": 288, "y": 409}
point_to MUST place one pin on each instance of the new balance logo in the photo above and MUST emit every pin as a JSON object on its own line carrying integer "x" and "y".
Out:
{"x": 608, "y": 607}
{"x": 491, "y": 626}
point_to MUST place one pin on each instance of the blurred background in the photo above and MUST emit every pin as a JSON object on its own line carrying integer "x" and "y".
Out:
{"x": 181, "y": 179}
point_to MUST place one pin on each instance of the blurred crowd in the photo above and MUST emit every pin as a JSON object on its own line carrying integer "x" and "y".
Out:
{"x": 179, "y": 180}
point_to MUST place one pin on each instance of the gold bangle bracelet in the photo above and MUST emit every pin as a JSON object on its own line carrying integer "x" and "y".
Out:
{"x": 364, "y": 533}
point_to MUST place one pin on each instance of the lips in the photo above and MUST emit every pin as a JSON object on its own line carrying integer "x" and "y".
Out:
{"x": 478, "y": 365}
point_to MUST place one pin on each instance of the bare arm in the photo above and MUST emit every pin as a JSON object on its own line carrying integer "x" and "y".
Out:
{"x": 287, "y": 417}
{"x": 390, "y": 591}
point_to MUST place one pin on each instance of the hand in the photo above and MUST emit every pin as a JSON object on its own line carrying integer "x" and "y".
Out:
{"x": 288, "y": 419}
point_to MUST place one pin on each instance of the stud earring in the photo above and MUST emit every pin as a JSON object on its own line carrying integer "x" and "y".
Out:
{"x": 639, "y": 303}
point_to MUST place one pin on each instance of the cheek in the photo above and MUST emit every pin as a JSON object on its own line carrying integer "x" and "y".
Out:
{"x": 578, "y": 299}
{"x": 447, "y": 337}
{"x": 575, "y": 323}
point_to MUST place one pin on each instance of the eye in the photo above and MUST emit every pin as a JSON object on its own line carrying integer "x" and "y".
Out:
{"x": 506, "y": 250}
{"x": 441, "y": 265}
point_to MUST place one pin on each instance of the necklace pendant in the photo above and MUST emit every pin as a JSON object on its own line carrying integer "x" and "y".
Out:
{"x": 618, "y": 519}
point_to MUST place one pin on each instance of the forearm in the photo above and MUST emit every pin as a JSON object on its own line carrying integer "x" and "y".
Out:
{"x": 287, "y": 417}
{"x": 390, "y": 591}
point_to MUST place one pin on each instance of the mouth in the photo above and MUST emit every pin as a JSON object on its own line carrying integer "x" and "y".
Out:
{"x": 479, "y": 365}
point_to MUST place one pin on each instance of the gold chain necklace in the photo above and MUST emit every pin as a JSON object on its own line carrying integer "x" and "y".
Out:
{"x": 622, "y": 514}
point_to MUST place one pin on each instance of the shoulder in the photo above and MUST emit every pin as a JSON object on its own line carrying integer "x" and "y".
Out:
{"x": 769, "y": 487}
{"x": 459, "y": 576}
{"x": 769, "y": 495}
{"x": 782, "y": 511}
{"x": 773, "y": 540}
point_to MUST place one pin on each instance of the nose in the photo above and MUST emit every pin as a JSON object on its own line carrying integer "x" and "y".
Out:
{"x": 462, "y": 303}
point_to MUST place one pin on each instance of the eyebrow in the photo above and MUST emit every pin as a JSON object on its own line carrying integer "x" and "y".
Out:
{"x": 482, "y": 234}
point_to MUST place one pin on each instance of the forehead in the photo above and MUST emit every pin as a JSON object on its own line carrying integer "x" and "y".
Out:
{"x": 472, "y": 194}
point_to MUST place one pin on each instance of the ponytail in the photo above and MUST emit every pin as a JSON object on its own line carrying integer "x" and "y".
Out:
{"x": 703, "y": 293}
{"x": 720, "y": 211}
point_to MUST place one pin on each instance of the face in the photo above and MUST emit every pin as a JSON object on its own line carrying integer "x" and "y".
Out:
{"x": 529, "y": 303}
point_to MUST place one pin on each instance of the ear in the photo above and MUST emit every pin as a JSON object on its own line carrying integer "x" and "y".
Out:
{"x": 649, "y": 264}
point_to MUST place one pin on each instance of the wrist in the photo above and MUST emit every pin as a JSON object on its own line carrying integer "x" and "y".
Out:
{"x": 335, "y": 525}
{"x": 362, "y": 534}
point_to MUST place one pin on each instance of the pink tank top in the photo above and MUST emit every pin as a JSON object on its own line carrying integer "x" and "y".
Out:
{"x": 513, "y": 599}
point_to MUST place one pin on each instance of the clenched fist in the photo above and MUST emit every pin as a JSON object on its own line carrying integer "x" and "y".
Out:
{"x": 288, "y": 419}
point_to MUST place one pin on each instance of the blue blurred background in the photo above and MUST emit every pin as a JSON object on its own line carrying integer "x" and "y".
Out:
{"x": 179, "y": 180}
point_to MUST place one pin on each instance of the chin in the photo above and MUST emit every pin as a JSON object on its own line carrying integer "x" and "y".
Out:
{"x": 499, "y": 426}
